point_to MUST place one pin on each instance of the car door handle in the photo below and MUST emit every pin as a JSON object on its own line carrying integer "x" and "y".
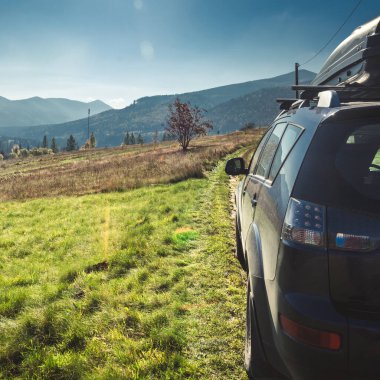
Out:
{"x": 254, "y": 201}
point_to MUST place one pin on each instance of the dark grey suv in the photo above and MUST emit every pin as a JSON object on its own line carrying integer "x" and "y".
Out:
{"x": 308, "y": 234}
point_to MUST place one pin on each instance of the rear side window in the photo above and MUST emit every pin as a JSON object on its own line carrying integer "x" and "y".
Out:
{"x": 269, "y": 150}
{"x": 256, "y": 155}
{"x": 342, "y": 168}
{"x": 355, "y": 160}
{"x": 289, "y": 138}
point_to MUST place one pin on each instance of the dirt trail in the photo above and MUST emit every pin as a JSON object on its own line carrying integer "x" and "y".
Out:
{"x": 234, "y": 181}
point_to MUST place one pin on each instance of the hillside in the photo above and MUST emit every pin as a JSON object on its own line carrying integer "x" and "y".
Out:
{"x": 110, "y": 169}
{"x": 229, "y": 107}
{"x": 259, "y": 106}
{"x": 35, "y": 111}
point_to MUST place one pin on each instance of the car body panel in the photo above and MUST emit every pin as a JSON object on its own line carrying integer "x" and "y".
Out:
{"x": 253, "y": 246}
{"x": 250, "y": 195}
{"x": 364, "y": 347}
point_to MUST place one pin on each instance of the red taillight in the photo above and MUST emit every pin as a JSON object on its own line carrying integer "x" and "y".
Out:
{"x": 312, "y": 337}
{"x": 304, "y": 223}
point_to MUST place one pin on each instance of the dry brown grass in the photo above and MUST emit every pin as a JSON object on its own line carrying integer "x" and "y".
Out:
{"x": 115, "y": 169}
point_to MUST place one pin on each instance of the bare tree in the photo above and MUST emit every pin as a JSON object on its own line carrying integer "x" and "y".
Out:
{"x": 185, "y": 122}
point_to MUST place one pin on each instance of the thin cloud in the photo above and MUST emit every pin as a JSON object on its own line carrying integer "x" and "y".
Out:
{"x": 147, "y": 50}
{"x": 138, "y": 4}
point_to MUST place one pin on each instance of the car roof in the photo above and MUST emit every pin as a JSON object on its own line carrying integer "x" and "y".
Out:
{"x": 312, "y": 116}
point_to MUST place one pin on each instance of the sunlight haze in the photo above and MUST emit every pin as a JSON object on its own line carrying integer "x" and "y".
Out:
{"x": 120, "y": 50}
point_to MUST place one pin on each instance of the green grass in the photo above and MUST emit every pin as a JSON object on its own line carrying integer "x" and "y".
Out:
{"x": 95, "y": 284}
{"x": 139, "y": 284}
{"x": 376, "y": 160}
{"x": 217, "y": 290}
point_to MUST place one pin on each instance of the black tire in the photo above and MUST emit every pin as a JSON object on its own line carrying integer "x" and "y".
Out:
{"x": 239, "y": 253}
{"x": 254, "y": 358}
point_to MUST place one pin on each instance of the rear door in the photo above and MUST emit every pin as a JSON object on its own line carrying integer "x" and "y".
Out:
{"x": 354, "y": 243}
{"x": 341, "y": 173}
{"x": 354, "y": 229}
{"x": 344, "y": 158}
{"x": 273, "y": 194}
{"x": 253, "y": 182}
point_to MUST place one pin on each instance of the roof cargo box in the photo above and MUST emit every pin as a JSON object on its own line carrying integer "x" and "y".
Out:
{"x": 356, "y": 61}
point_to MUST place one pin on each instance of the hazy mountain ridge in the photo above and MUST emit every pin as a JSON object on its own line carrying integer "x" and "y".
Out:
{"x": 229, "y": 107}
{"x": 36, "y": 111}
{"x": 259, "y": 107}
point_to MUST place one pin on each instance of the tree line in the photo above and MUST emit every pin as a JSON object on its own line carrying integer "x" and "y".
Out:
{"x": 130, "y": 139}
{"x": 184, "y": 123}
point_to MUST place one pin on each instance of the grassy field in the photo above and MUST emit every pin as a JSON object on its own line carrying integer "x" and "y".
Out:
{"x": 135, "y": 284}
{"x": 113, "y": 169}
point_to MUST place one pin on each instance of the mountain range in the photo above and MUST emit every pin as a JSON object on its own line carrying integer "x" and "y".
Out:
{"x": 37, "y": 111}
{"x": 228, "y": 107}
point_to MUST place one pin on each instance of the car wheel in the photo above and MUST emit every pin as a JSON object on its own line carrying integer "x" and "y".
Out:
{"x": 254, "y": 361}
{"x": 239, "y": 253}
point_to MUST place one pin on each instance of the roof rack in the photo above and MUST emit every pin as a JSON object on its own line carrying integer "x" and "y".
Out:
{"x": 286, "y": 103}
{"x": 353, "y": 92}
{"x": 336, "y": 94}
{"x": 327, "y": 98}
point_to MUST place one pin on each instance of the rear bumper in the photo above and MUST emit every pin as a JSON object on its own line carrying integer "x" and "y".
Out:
{"x": 364, "y": 348}
{"x": 304, "y": 361}
{"x": 358, "y": 357}
{"x": 300, "y": 292}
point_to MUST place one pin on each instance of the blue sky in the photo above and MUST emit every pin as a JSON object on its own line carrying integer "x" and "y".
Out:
{"x": 121, "y": 50}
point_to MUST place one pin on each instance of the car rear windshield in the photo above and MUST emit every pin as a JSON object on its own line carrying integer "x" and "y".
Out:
{"x": 342, "y": 166}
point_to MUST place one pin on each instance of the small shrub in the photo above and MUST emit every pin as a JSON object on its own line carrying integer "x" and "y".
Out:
{"x": 40, "y": 151}
{"x": 36, "y": 152}
{"x": 16, "y": 149}
{"x": 12, "y": 155}
{"x": 24, "y": 152}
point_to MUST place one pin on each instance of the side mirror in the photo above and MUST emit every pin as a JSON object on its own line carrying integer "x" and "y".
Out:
{"x": 236, "y": 166}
